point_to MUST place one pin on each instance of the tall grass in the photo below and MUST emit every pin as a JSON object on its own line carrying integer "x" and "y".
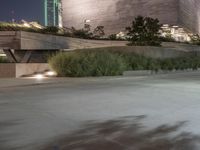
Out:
{"x": 87, "y": 63}
{"x": 82, "y": 63}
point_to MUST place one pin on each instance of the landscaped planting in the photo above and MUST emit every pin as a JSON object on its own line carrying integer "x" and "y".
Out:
{"x": 88, "y": 63}
{"x": 3, "y": 60}
{"x": 83, "y": 63}
{"x": 18, "y": 27}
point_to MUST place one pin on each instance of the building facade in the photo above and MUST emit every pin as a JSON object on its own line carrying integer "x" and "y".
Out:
{"x": 53, "y": 13}
{"x": 115, "y": 15}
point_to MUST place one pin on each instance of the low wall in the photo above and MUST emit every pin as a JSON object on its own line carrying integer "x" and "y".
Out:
{"x": 13, "y": 70}
{"x": 28, "y": 69}
{"x": 150, "y": 51}
{"x": 7, "y": 70}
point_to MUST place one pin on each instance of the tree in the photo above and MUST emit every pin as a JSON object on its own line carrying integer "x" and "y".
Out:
{"x": 82, "y": 33}
{"x": 87, "y": 28}
{"x": 99, "y": 32}
{"x": 144, "y": 31}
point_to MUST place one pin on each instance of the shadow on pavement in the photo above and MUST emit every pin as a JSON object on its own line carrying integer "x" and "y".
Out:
{"x": 127, "y": 133}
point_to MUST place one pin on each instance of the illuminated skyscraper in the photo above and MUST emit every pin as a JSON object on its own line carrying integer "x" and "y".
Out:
{"x": 53, "y": 13}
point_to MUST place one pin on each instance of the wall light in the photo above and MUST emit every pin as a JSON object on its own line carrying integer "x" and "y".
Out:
{"x": 87, "y": 21}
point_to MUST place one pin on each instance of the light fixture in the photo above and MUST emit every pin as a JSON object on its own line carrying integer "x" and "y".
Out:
{"x": 27, "y": 25}
{"x": 50, "y": 73}
{"x": 39, "y": 76}
{"x": 87, "y": 21}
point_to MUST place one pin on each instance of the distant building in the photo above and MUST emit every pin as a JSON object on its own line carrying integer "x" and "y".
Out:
{"x": 53, "y": 11}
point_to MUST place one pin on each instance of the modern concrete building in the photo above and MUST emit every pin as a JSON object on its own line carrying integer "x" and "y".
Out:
{"x": 115, "y": 15}
{"x": 53, "y": 11}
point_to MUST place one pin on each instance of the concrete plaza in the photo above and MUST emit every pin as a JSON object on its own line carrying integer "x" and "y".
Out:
{"x": 35, "y": 113}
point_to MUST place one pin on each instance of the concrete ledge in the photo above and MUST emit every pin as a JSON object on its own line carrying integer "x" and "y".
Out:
{"x": 13, "y": 70}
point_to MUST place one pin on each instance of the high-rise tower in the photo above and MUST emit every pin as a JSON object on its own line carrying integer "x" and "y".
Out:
{"x": 53, "y": 13}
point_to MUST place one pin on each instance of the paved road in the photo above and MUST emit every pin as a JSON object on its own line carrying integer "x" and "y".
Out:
{"x": 32, "y": 116}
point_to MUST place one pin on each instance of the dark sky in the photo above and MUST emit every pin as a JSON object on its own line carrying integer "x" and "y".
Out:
{"x": 30, "y": 10}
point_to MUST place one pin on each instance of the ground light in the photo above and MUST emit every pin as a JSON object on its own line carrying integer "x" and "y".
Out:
{"x": 39, "y": 76}
{"x": 50, "y": 74}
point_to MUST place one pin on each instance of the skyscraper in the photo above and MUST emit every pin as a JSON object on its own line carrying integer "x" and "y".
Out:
{"x": 53, "y": 11}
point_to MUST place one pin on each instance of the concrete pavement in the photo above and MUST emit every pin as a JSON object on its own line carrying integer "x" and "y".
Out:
{"x": 31, "y": 117}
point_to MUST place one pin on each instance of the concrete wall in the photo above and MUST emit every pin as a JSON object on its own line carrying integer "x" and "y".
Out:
{"x": 31, "y": 41}
{"x": 189, "y": 14}
{"x": 115, "y": 15}
{"x": 152, "y": 52}
{"x": 10, "y": 39}
{"x": 36, "y": 41}
{"x": 12, "y": 70}
{"x": 75, "y": 43}
{"x": 7, "y": 70}
{"x": 28, "y": 69}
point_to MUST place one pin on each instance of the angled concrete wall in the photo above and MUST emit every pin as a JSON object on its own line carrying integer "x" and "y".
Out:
{"x": 189, "y": 14}
{"x": 115, "y": 15}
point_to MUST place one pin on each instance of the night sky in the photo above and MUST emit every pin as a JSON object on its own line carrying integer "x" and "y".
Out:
{"x": 29, "y": 10}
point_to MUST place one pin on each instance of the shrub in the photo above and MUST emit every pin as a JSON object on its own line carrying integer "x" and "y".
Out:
{"x": 110, "y": 62}
{"x": 50, "y": 29}
{"x": 144, "y": 31}
{"x": 112, "y": 37}
{"x": 195, "y": 39}
{"x": 81, "y": 33}
{"x": 87, "y": 63}
{"x": 3, "y": 60}
{"x": 167, "y": 39}
{"x": 99, "y": 32}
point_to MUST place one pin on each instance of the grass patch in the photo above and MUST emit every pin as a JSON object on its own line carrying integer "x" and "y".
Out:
{"x": 98, "y": 62}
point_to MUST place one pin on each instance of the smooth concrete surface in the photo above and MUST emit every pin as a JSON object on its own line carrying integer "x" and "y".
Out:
{"x": 34, "y": 116}
{"x": 20, "y": 40}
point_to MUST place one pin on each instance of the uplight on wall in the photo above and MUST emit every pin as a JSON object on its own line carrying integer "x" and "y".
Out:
{"x": 87, "y": 21}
